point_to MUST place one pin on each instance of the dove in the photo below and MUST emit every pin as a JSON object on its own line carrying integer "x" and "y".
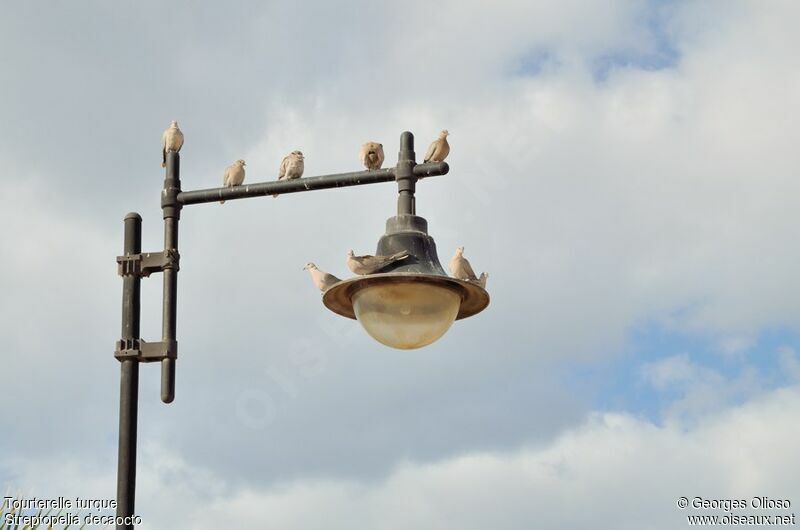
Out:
{"x": 292, "y": 167}
{"x": 234, "y": 175}
{"x": 322, "y": 280}
{"x": 371, "y": 264}
{"x": 439, "y": 148}
{"x": 460, "y": 267}
{"x": 372, "y": 155}
{"x": 482, "y": 280}
{"x": 171, "y": 140}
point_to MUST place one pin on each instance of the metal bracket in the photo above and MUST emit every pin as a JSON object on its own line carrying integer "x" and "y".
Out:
{"x": 143, "y": 265}
{"x": 145, "y": 352}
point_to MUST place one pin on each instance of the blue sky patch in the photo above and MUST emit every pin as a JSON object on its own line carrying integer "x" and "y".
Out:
{"x": 622, "y": 384}
{"x": 660, "y": 53}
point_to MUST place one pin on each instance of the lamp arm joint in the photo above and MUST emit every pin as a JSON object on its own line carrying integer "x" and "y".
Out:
{"x": 145, "y": 352}
{"x": 144, "y": 264}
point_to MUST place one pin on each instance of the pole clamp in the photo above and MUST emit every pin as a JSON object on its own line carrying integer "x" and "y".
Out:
{"x": 145, "y": 352}
{"x": 143, "y": 265}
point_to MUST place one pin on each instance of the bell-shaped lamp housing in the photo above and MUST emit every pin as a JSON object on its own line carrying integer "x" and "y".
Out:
{"x": 412, "y": 302}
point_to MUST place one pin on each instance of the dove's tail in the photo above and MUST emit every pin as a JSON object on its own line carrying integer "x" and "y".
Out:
{"x": 399, "y": 255}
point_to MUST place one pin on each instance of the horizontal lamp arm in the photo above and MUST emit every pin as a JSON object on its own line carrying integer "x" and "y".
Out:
{"x": 341, "y": 180}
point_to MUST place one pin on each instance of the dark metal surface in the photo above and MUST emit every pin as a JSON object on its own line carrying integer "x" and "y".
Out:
{"x": 410, "y": 233}
{"x": 171, "y": 208}
{"x": 129, "y": 377}
{"x": 146, "y": 263}
{"x": 406, "y": 231}
{"x": 339, "y": 298}
{"x": 340, "y": 180}
{"x": 406, "y": 180}
{"x": 145, "y": 352}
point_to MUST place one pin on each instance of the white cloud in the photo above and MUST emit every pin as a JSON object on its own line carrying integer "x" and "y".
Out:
{"x": 691, "y": 391}
{"x": 671, "y": 370}
{"x": 612, "y": 472}
{"x": 662, "y": 195}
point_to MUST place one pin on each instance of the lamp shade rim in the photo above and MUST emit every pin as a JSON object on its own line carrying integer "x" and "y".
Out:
{"x": 339, "y": 297}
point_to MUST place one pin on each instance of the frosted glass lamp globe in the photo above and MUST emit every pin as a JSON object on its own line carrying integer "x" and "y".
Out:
{"x": 406, "y": 315}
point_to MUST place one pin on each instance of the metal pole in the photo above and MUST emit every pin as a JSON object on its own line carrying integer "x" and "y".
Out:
{"x": 129, "y": 378}
{"x": 404, "y": 174}
{"x": 322, "y": 182}
{"x": 172, "y": 213}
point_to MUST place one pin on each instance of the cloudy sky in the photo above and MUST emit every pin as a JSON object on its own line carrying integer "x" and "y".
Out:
{"x": 625, "y": 171}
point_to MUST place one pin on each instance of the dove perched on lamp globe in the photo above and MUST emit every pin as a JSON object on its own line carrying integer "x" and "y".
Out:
{"x": 367, "y": 264}
{"x": 372, "y": 155}
{"x": 460, "y": 267}
{"x": 171, "y": 140}
{"x": 292, "y": 167}
{"x": 322, "y": 280}
{"x": 233, "y": 176}
{"x": 439, "y": 148}
{"x": 482, "y": 280}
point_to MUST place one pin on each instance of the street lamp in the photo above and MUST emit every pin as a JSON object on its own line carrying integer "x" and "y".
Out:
{"x": 412, "y": 302}
{"x": 407, "y": 304}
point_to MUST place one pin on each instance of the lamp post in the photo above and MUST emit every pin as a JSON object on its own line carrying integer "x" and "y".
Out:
{"x": 407, "y": 304}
